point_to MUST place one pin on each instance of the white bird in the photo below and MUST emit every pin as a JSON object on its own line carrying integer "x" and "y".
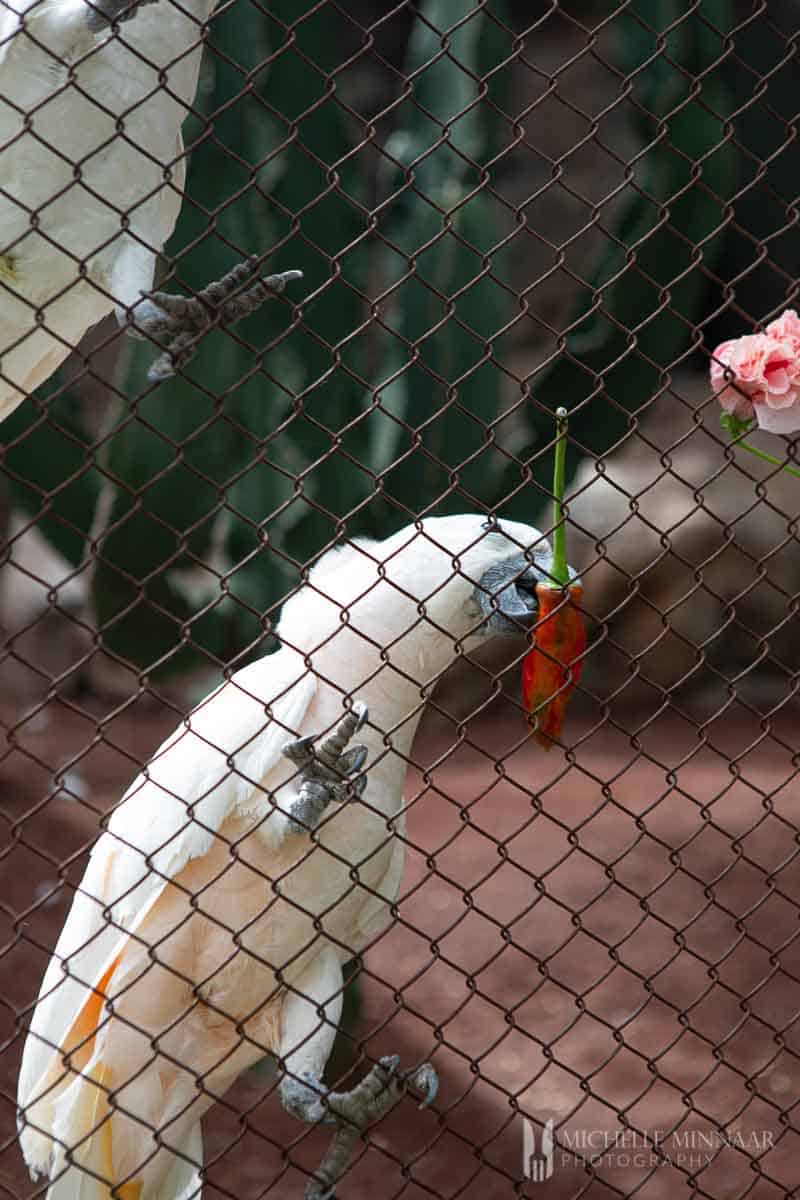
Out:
{"x": 243, "y": 868}
{"x": 92, "y": 170}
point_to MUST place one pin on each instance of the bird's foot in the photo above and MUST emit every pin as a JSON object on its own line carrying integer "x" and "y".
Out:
{"x": 102, "y": 13}
{"x": 363, "y": 1105}
{"x": 327, "y": 770}
{"x": 304, "y": 1100}
{"x": 379, "y": 1090}
{"x": 178, "y": 322}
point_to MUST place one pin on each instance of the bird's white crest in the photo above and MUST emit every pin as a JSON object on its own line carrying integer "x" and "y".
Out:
{"x": 437, "y": 564}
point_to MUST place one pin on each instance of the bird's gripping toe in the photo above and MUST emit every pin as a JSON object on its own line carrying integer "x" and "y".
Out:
{"x": 327, "y": 770}
{"x": 363, "y": 1105}
{"x": 179, "y": 322}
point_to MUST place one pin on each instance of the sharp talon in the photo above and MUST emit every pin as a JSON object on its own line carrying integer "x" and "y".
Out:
{"x": 301, "y": 743}
{"x": 425, "y": 1079}
{"x": 285, "y": 277}
{"x": 362, "y": 712}
{"x": 390, "y": 1062}
{"x": 352, "y": 762}
{"x": 299, "y": 750}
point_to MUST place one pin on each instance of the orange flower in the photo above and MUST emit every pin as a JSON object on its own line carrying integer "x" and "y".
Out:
{"x": 553, "y": 666}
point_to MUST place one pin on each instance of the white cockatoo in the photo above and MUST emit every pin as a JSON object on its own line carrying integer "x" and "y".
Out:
{"x": 251, "y": 859}
{"x": 93, "y": 94}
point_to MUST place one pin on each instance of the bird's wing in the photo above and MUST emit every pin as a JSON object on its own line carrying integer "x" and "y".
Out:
{"x": 170, "y": 815}
{"x": 9, "y": 26}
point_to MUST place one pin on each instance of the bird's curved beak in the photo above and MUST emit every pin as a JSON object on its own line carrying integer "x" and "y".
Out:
{"x": 506, "y": 594}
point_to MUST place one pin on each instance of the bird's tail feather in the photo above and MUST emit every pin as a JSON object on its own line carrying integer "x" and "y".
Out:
{"x": 85, "y": 1122}
{"x": 84, "y": 1125}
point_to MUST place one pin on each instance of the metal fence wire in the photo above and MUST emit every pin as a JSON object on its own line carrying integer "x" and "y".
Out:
{"x": 305, "y": 912}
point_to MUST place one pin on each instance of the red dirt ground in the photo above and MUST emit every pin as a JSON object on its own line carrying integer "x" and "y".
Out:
{"x": 614, "y": 933}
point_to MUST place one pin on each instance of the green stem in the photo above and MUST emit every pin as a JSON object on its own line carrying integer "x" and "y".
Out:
{"x": 560, "y": 570}
{"x": 770, "y": 458}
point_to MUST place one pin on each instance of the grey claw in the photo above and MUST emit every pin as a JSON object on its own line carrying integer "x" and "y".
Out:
{"x": 353, "y": 760}
{"x": 362, "y": 712}
{"x": 300, "y": 750}
{"x": 279, "y": 282}
{"x": 425, "y": 1079}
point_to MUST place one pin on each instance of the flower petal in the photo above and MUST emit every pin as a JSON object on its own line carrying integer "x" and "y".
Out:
{"x": 775, "y": 399}
{"x": 778, "y": 420}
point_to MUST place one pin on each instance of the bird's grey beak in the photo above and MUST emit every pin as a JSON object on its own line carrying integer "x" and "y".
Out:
{"x": 506, "y": 594}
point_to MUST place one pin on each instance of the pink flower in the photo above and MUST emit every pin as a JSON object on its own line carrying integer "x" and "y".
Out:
{"x": 763, "y": 375}
{"x": 786, "y": 327}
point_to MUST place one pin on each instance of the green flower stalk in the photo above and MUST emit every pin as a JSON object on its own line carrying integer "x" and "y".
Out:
{"x": 560, "y": 567}
{"x": 737, "y": 429}
{"x": 553, "y": 665}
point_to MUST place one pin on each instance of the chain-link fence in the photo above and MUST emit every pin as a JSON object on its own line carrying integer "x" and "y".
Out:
{"x": 497, "y": 208}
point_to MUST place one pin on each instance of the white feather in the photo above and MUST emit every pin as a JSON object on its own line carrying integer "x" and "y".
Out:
{"x": 76, "y": 175}
{"x": 169, "y": 816}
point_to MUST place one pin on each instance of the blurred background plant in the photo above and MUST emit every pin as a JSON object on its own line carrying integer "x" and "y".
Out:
{"x": 490, "y": 224}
